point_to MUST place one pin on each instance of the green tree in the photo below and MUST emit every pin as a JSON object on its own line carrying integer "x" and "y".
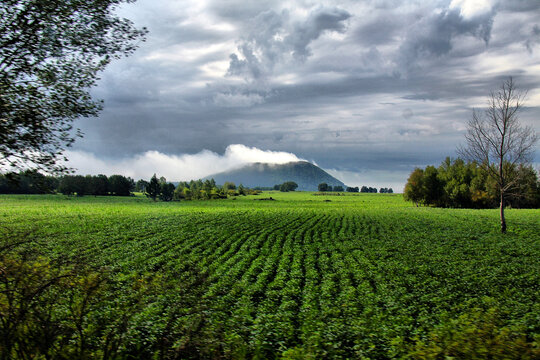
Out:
{"x": 414, "y": 187}
{"x": 166, "y": 192}
{"x": 100, "y": 185}
{"x": 288, "y": 186}
{"x": 323, "y": 187}
{"x": 241, "y": 189}
{"x": 432, "y": 187}
{"x": 153, "y": 188}
{"x": 141, "y": 185}
{"x": 51, "y": 52}
{"x": 120, "y": 185}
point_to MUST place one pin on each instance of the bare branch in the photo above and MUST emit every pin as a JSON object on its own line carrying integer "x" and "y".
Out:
{"x": 497, "y": 141}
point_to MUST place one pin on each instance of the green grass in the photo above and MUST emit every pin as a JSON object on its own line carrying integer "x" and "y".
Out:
{"x": 357, "y": 275}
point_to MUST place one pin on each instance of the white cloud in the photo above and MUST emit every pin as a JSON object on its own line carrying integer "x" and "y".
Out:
{"x": 472, "y": 8}
{"x": 176, "y": 167}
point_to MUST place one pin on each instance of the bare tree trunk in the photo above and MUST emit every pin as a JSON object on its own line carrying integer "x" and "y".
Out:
{"x": 503, "y": 220}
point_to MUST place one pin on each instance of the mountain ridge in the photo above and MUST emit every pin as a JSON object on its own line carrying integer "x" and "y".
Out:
{"x": 307, "y": 175}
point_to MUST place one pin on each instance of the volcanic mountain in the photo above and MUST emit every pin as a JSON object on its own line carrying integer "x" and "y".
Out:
{"x": 305, "y": 174}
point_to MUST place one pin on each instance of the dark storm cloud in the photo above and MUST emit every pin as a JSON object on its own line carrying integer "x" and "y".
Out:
{"x": 319, "y": 20}
{"x": 274, "y": 37}
{"x": 432, "y": 35}
{"x": 395, "y": 80}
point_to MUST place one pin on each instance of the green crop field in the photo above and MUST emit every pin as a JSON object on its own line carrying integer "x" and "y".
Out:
{"x": 303, "y": 276}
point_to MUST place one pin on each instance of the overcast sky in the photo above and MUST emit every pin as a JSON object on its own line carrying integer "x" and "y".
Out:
{"x": 365, "y": 89}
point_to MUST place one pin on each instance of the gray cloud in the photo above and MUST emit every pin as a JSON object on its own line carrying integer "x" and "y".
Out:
{"x": 273, "y": 38}
{"x": 319, "y": 21}
{"x": 433, "y": 35}
{"x": 533, "y": 39}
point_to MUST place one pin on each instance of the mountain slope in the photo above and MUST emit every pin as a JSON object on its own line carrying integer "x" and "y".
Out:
{"x": 305, "y": 174}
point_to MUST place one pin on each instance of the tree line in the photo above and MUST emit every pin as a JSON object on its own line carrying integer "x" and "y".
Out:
{"x": 323, "y": 187}
{"x": 192, "y": 190}
{"x": 33, "y": 182}
{"x": 460, "y": 184}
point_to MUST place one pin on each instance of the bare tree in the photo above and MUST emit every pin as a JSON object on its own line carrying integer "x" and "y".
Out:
{"x": 498, "y": 142}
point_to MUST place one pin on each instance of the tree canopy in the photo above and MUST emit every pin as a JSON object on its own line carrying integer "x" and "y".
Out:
{"x": 51, "y": 52}
{"x": 460, "y": 184}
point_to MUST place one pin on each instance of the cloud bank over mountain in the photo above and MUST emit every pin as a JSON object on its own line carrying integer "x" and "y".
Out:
{"x": 177, "y": 167}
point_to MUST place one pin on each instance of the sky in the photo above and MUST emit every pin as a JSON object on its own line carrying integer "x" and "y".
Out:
{"x": 367, "y": 90}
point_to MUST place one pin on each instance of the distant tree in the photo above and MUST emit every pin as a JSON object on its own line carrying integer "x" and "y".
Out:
{"x": 526, "y": 194}
{"x": 65, "y": 185}
{"x": 73, "y": 184}
{"x": 338, "y": 188}
{"x": 229, "y": 186}
{"x": 498, "y": 142}
{"x": 51, "y": 54}
{"x": 390, "y": 191}
{"x": 241, "y": 190}
{"x": 288, "y": 186}
{"x": 208, "y": 187}
{"x": 100, "y": 185}
{"x": 179, "y": 191}
{"x": 187, "y": 193}
{"x": 140, "y": 185}
{"x": 27, "y": 182}
{"x": 120, "y": 185}
{"x": 353, "y": 189}
{"x": 414, "y": 188}
{"x": 366, "y": 189}
{"x": 460, "y": 184}
{"x": 277, "y": 186}
{"x": 153, "y": 188}
{"x": 323, "y": 187}
{"x": 432, "y": 186}
{"x": 166, "y": 192}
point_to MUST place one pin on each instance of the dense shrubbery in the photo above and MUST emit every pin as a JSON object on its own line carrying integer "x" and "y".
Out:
{"x": 57, "y": 310}
{"x": 456, "y": 183}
